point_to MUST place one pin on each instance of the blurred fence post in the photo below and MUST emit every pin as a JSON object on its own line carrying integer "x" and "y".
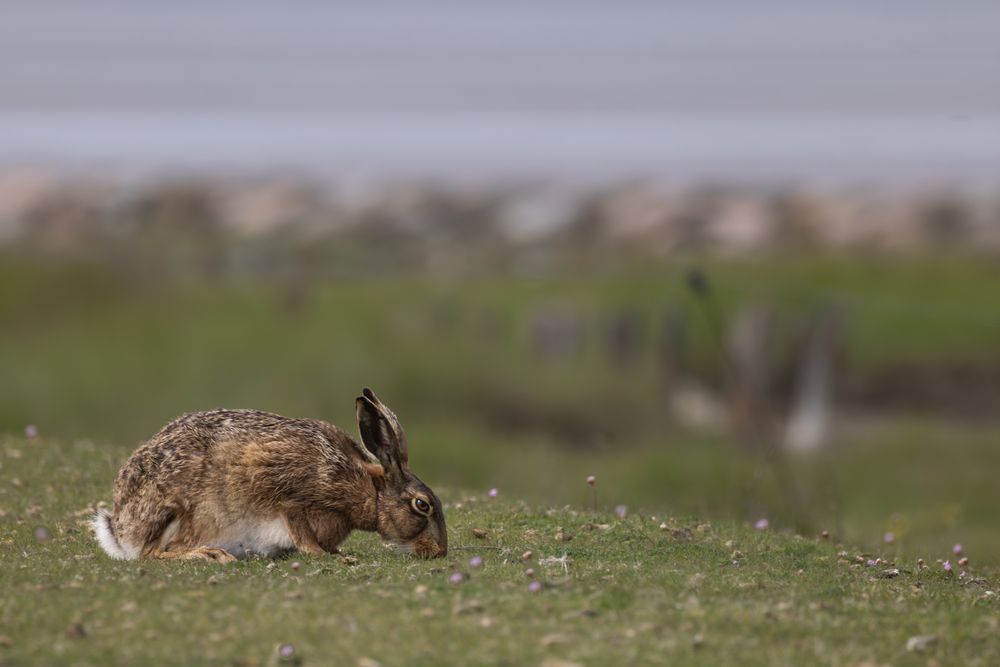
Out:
{"x": 810, "y": 416}
{"x": 673, "y": 346}
{"x": 624, "y": 335}
{"x": 746, "y": 345}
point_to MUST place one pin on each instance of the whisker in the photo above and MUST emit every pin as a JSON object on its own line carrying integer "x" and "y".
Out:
{"x": 475, "y": 548}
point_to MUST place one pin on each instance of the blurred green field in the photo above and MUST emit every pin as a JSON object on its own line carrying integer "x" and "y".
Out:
{"x": 89, "y": 354}
{"x": 92, "y": 353}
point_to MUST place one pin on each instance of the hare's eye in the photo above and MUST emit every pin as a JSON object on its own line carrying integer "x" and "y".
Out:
{"x": 420, "y": 505}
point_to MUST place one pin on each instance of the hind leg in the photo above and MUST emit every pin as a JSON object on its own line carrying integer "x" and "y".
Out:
{"x": 150, "y": 524}
{"x": 177, "y": 543}
{"x": 209, "y": 554}
{"x": 171, "y": 535}
{"x": 188, "y": 538}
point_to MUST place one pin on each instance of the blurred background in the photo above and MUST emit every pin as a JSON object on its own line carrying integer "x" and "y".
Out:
{"x": 734, "y": 259}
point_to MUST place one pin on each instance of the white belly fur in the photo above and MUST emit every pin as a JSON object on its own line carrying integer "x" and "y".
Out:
{"x": 255, "y": 536}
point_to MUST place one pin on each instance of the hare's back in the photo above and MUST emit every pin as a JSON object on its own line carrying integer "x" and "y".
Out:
{"x": 202, "y": 446}
{"x": 205, "y": 431}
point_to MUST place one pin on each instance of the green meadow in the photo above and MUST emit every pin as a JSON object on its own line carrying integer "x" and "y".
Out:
{"x": 648, "y": 587}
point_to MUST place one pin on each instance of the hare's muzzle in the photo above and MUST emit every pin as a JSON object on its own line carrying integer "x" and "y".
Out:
{"x": 430, "y": 549}
{"x": 433, "y": 542}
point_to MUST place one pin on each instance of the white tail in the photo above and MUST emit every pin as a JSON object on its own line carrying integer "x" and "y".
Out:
{"x": 105, "y": 533}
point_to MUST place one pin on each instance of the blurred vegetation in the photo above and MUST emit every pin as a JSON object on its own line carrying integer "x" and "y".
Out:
{"x": 91, "y": 352}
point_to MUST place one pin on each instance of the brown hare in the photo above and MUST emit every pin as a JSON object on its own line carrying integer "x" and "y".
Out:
{"x": 228, "y": 484}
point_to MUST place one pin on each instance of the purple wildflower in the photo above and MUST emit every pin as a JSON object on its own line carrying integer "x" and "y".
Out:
{"x": 476, "y": 562}
{"x": 871, "y": 563}
{"x": 889, "y": 538}
{"x": 456, "y": 578}
{"x": 31, "y": 431}
{"x": 957, "y": 549}
{"x": 762, "y": 524}
{"x": 621, "y": 511}
{"x": 493, "y": 493}
{"x": 946, "y": 565}
{"x": 286, "y": 651}
{"x": 534, "y": 586}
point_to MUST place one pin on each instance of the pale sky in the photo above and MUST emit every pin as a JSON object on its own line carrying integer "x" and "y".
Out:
{"x": 637, "y": 86}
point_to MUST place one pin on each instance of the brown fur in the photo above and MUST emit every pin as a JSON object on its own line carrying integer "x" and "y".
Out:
{"x": 209, "y": 479}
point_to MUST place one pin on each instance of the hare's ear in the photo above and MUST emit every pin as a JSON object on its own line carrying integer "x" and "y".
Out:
{"x": 382, "y": 435}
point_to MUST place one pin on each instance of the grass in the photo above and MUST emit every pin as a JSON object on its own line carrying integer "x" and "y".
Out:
{"x": 93, "y": 354}
{"x": 932, "y": 484}
{"x": 621, "y": 591}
